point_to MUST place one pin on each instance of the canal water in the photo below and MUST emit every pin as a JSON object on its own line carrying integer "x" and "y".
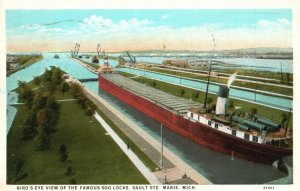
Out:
{"x": 217, "y": 167}
{"x": 27, "y": 74}
{"x": 274, "y": 65}
{"x": 113, "y": 63}
{"x": 280, "y": 103}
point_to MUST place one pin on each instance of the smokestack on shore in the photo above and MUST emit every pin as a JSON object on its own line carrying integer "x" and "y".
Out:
{"x": 222, "y": 100}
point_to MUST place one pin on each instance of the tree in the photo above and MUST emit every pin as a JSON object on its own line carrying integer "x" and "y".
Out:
{"x": 29, "y": 96}
{"x": 21, "y": 87}
{"x": 37, "y": 80}
{"x": 76, "y": 90}
{"x": 47, "y": 76}
{"x": 69, "y": 171}
{"x": 209, "y": 100}
{"x": 81, "y": 100}
{"x": 90, "y": 112}
{"x": 52, "y": 104}
{"x": 42, "y": 141}
{"x": 28, "y": 132}
{"x": 56, "y": 75}
{"x": 288, "y": 80}
{"x": 253, "y": 111}
{"x": 195, "y": 95}
{"x": 50, "y": 86}
{"x": 91, "y": 105}
{"x": 182, "y": 92}
{"x": 154, "y": 83}
{"x": 64, "y": 87}
{"x": 283, "y": 119}
{"x": 230, "y": 104}
{"x": 63, "y": 155}
{"x": 25, "y": 93}
{"x": 42, "y": 117}
{"x": 19, "y": 169}
{"x": 39, "y": 101}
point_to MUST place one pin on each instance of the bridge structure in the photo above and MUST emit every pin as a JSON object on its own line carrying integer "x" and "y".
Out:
{"x": 88, "y": 79}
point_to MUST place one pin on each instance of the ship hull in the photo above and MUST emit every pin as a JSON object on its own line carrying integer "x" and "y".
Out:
{"x": 195, "y": 131}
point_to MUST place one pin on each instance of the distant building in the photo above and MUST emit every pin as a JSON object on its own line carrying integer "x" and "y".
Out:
{"x": 198, "y": 63}
{"x": 10, "y": 59}
{"x": 129, "y": 64}
{"x": 176, "y": 63}
{"x": 65, "y": 76}
{"x": 14, "y": 66}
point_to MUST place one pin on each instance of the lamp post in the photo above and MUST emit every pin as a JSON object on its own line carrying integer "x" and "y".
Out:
{"x": 180, "y": 78}
{"x": 288, "y": 119}
{"x": 255, "y": 93}
{"x": 209, "y": 71}
{"x": 162, "y": 146}
{"x": 162, "y": 153}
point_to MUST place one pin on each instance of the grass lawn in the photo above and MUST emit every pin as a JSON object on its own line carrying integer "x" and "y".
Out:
{"x": 25, "y": 61}
{"x": 245, "y": 106}
{"x": 93, "y": 156}
{"x": 270, "y": 88}
{"x": 95, "y": 66}
{"x": 142, "y": 156}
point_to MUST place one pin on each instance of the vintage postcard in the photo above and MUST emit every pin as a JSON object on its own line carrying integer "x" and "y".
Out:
{"x": 158, "y": 97}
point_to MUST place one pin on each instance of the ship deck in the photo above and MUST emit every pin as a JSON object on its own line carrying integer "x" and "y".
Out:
{"x": 176, "y": 104}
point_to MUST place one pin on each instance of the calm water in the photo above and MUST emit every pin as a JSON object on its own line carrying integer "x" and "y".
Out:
{"x": 273, "y": 65}
{"x": 65, "y": 63}
{"x": 113, "y": 63}
{"x": 281, "y": 103}
{"x": 217, "y": 167}
{"x": 78, "y": 71}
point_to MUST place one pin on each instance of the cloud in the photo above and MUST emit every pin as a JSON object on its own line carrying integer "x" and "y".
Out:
{"x": 39, "y": 29}
{"x": 136, "y": 33}
{"x": 279, "y": 23}
{"x": 96, "y": 22}
{"x": 134, "y": 23}
{"x": 164, "y": 17}
{"x": 100, "y": 24}
{"x": 31, "y": 27}
{"x": 62, "y": 21}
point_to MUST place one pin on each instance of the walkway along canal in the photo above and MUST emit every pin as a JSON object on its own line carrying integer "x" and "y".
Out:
{"x": 249, "y": 96}
{"x": 214, "y": 166}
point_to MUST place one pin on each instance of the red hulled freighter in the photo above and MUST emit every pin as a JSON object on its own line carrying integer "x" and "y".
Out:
{"x": 254, "y": 138}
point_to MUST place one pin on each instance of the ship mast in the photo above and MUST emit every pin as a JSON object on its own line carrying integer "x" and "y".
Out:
{"x": 98, "y": 49}
{"x": 209, "y": 71}
{"x": 74, "y": 52}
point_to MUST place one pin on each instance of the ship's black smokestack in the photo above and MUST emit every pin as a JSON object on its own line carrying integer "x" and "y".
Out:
{"x": 222, "y": 100}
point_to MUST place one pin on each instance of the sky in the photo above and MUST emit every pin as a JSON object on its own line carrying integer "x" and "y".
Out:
{"x": 119, "y": 30}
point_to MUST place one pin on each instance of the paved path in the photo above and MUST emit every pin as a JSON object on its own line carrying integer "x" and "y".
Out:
{"x": 242, "y": 99}
{"x": 172, "y": 175}
{"x": 238, "y": 79}
{"x": 131, "y": 155}
{"x": 182, "y": 166}
{"x": 90, "y": 68}
{"x": 60, "y": 100}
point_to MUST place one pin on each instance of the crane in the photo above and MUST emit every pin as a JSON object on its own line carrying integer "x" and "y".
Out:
{"x": 76, "y": 50}
{"x": 132, "y": 59}
{"x": 98, "y": 49}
